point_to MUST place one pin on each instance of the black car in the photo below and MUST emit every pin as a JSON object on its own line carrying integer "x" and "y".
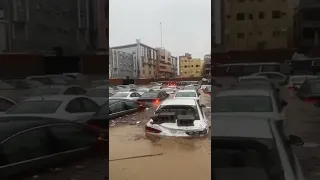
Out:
{"x": 113, "y": 109}
{"x": 309, "y": 91}
{"x": 29, "y": 144}
{"x": 154, "y": 97}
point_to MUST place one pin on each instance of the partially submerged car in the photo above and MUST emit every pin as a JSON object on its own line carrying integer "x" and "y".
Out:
{"x": 178, "y": 118}
{"x": 187, "y": 94}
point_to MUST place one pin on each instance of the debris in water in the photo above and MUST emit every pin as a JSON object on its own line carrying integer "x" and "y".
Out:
{"x": 138, "y": 122}
{"x": 132, "y": 123}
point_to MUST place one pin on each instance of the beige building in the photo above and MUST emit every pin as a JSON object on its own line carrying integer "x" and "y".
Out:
{"x": 165, "y": 65}
{"x": 256, "y": 24}
{"x": 190, "y": 67}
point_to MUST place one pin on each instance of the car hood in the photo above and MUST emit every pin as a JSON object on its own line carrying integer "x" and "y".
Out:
{"x": 196, "y": 98}
{"x": 266, "y": 115}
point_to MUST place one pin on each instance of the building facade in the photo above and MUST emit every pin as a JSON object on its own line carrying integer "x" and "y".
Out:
{"x": 64, "y": 27}
{"x": 175, "y": 66}
{"x": 145, "y": 63}
{"x": 259, "y": 24}
{"x": 307, "y": 24}
{"x": 207, "y": 66}
{"x": 190, "y": 67}
{"x": 165, "y": 68}
{"x": 121, "y": 64}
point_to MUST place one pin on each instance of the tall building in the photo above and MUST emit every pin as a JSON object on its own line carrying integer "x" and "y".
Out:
{"x": 145, "y": 63}
{"x": 121, "y": 64}
{"x": 258, "y": 24}
{"x": 175, "y": 66}
{"x": 307, "y": 27}
{"x": 207, "y": 66}
{"x": 190, "y": 67}
{"x": 66, "y": 27}
{"x": 165, "y": 68}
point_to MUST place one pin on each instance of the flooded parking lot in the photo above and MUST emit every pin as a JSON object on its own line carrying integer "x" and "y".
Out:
{"x": 132, "y": 156}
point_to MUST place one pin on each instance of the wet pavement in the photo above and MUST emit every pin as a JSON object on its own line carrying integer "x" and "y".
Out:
{"x": 132, "y": 156}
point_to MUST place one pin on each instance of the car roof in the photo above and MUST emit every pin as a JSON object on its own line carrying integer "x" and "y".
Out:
{"x": 15, "y": 124}
{"x": 52, "y": 98}
{"x": 177, "y": 101}
{"x": 187, "y": 90}
{"x": 245, "y": 127}
{"x": 244, "y": 92}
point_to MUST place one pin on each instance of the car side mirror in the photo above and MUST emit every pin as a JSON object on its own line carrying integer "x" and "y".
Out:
{"x": 203, "y": 106}
{"x": 284, "y": 103}
{"x": 295, "y": 140}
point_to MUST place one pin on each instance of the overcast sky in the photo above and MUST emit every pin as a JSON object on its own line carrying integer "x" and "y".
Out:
{"x": 186, "y": 24}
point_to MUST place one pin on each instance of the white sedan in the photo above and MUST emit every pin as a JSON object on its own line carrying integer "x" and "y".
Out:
{"x": 178, "y": 118}
{"x": 126, "y": 95}
{"x": 68, "y": 107}
{"x": 187, "y": 94}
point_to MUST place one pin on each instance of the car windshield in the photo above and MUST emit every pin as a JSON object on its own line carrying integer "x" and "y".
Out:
{"x": 253, "y": 85}
{"x": 186, "y": 94}
{"x": 35, "y": 107}
{"x": 156, "y": 87}
{"x": 44, "y": 91}
{"x": 180, "y": 110}
{"x": 24, "y": 83}
{"x": 121, "y": 95}
{"x": 315, "y": 87}
{"x": 98, "y": 93}
{"x": 167, "y": 89}
{"x": 189, "y": 87}
{"x": 245, "y": 159}
{"x": 149, "y": 95}
{"x": 242, "y": 104}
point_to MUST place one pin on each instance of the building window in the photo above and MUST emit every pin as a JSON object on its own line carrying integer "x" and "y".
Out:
{"x": 185, "y": 66}
{"x": 250, "y": 16}
{"x": 261, "y": 15}
{"x": 228, "y": 16}
{"x": 240, "y": 35}
{"x": 276, "y": 14}
{"x": 149, "y": 72}
{"x": 191, "y": 65}
{"x": 240, "y": 16}
{"x": 2, "y": 13}
{"x": 143, "y": 71}
{"x": 197, "y": 65}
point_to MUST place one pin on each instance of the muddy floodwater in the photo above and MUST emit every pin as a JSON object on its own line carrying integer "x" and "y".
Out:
{"x": 181, "y": 158}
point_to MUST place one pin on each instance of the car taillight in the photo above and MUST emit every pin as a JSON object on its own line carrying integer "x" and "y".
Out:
{"x": 208, "y": 93}
{"x": 156, "y": 101}
{"x": 310, "y": 100}
{"x": 152, "y": 130}
{"x": 292, "y": 88}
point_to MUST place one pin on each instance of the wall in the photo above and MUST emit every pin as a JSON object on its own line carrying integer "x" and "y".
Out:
{"x": 95, "y": 64}
{"x": 257, "y": 30}
{"x": 121, "y": 63}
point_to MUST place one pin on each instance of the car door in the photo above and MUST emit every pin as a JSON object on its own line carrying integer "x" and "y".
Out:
{"x": 25, "y": 151}
{"x": 131, "y": 106}
{"x": 90, "y": 107}
{"x": 72, "y": 141}
{"x": 117, "y": 110}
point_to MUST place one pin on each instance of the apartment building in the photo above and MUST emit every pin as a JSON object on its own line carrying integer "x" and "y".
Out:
{"x": 165, "y": 68}
{"x": 175, "y": 66}
{"x": 145, "y": 63}
{"x": 307, "y": 26}
{"x": 121, "y": 64}
{"x": 190, "y": 67}
{"x": 65, "y": 27}
{"x": 256, "y": 24}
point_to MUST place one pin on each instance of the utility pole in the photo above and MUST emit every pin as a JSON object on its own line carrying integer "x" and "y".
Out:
{"x": 161, "y": 33}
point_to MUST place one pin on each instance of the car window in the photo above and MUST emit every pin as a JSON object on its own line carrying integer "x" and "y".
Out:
{"x": 133, "y": 95}
{"x": 71, "y": 137}
{"x": 5, "y": 104}
{"x": 180, "y": 110}
{"x": 71, "y": 91}
{"x": 138, "y": 95}
{"x": 149, "y": 95}
{"x": 242, "y": 104}
{"x": 75, "y": 106}
{"x": 29, "y": 145}
{"x": 98, "y": 93}
{"x": 35, "y": 107}
{"x": 250, "y": 69}
{"x": 57, "y": 80}
{"x": 132, "y": 104}
{"x": 117, "y": 107}
{"x": 186, "y": 94}
{"x": 270, "y": 68}
{"x": 89, "y": 105}
{"x": 42, "y": 80}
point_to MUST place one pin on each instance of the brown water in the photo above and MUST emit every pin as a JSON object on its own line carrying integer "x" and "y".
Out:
{"x": 181, "y": 159}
